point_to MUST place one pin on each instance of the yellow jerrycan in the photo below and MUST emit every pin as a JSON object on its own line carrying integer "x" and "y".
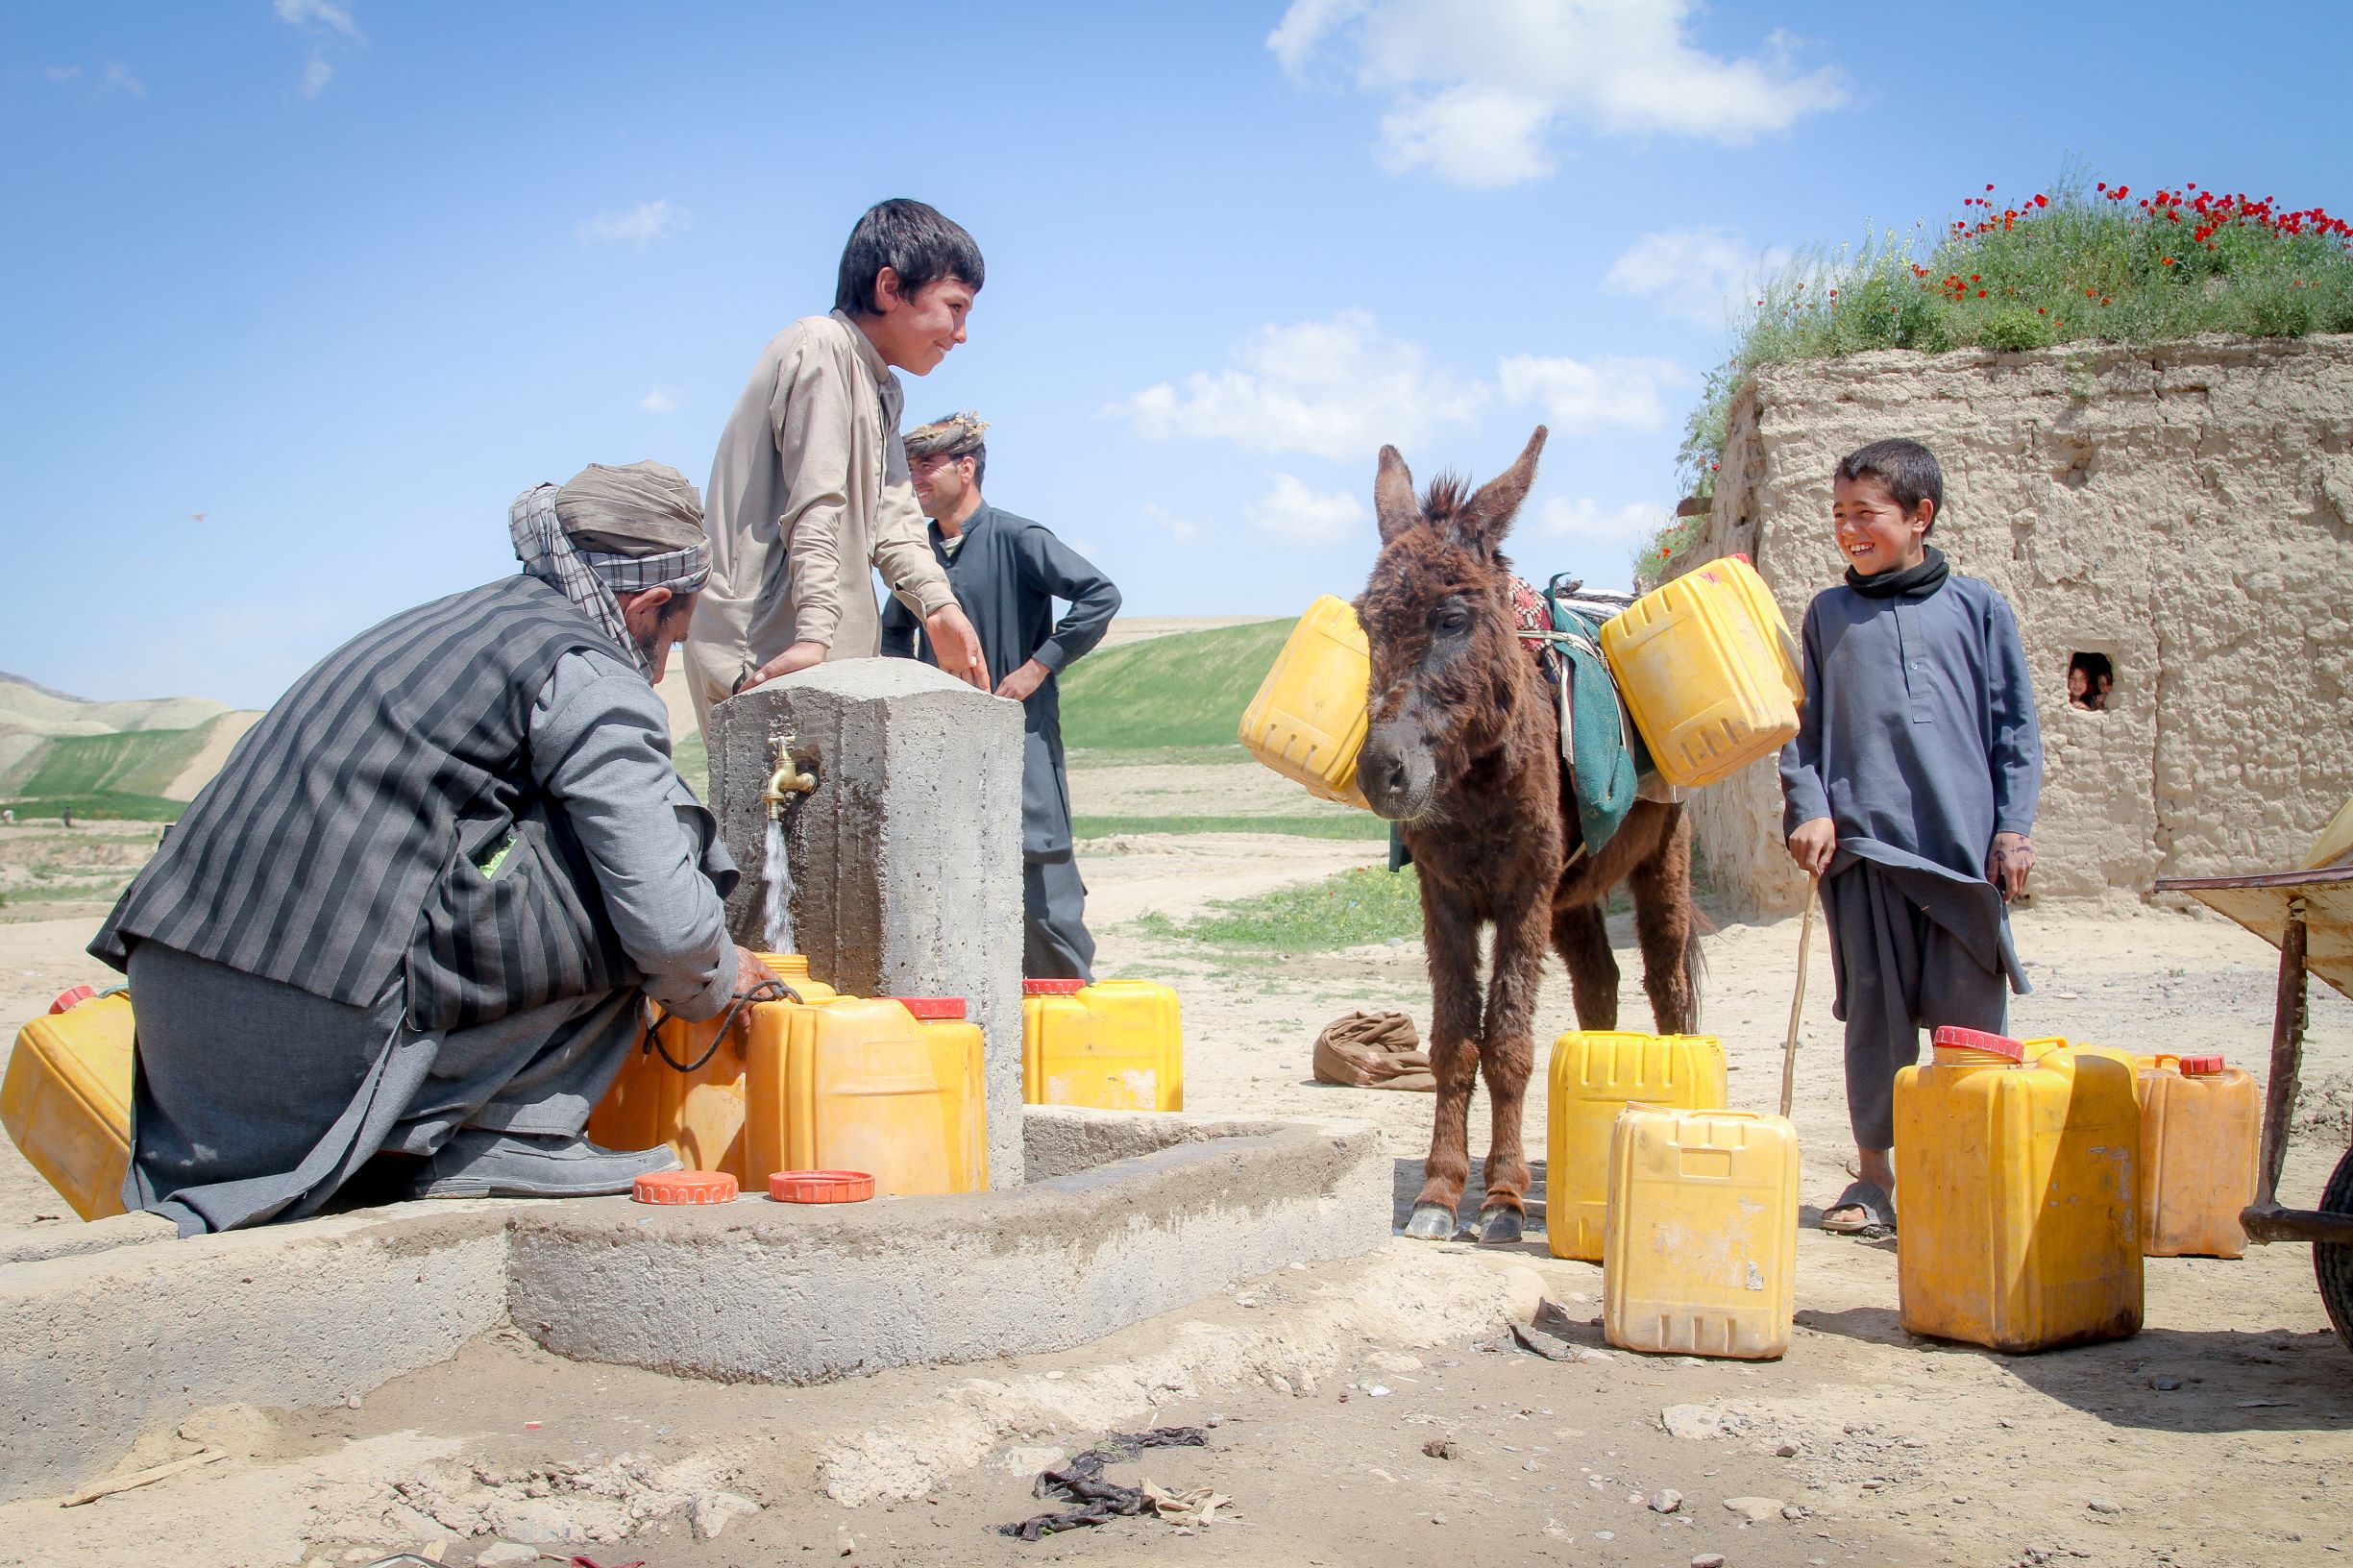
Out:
{"x": 698, "y": 1111}
{"x": 2201, "y": 1139}
{"x": 1309, "y": 719}
{"x": 2018, "y": 1196}
{"x": 66, "y": 1100}
{"x": 957, "y": 1055}
{"x": 1595, "y": 1075}
{"x": 1708, "y": 671}
{"x": 1703, "y": 1251}
{"x": 1112, "y": 1045}
{"x": 855, "y": 1083}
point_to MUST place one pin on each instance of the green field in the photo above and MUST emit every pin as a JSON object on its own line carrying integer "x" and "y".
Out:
{"x": 1353, "y": 824}
{"x": 132, "y": 762}
{"x": 1186, "y": 691}
{"x": 1348, "y": 910}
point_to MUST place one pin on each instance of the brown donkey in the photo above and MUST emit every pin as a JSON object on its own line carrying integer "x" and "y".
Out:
{"x": 1464, "y": 754}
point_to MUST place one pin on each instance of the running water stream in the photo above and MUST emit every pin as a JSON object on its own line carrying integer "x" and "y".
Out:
{"x": 776, "y": 874}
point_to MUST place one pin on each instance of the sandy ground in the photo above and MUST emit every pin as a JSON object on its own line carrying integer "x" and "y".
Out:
{"x": 2219, "y": 1434}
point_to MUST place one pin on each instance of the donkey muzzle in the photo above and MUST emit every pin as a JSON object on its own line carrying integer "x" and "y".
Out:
{"x": 1397, "y": 771}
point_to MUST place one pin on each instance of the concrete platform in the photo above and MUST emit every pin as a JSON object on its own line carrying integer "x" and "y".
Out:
{"x": 112, "y": 1329}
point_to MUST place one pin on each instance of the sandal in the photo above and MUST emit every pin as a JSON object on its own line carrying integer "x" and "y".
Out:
{"x": 1878, "y": 1217}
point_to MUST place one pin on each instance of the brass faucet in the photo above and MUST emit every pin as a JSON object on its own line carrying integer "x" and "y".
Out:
{"x": 787, "y": 778}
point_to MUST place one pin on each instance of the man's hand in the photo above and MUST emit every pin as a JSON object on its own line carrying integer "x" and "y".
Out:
{"x": 749, "y": 971}
{"x": 956, "y": 645}
{"x": 2008, "y": 862}
{"x": 1024, "y": 681}
{"x": 1812, "y": 844}
{"x": 799, "y": 656}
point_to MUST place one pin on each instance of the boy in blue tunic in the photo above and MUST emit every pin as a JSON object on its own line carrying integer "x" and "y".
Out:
{"x": 1910, "y": 792}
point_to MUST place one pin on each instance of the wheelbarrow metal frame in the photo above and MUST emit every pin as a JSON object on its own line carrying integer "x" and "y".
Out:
{"x": 2264, "y": 1220}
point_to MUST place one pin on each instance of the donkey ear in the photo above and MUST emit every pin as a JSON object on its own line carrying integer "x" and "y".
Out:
{"x": 1488, "y": 516}
{"x": 1393, "y": 502}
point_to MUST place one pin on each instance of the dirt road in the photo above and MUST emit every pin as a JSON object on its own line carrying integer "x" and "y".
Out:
{"x": 2219, "y": 1434}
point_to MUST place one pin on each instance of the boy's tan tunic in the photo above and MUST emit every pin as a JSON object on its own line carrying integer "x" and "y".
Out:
{"x": 808, "y": 493}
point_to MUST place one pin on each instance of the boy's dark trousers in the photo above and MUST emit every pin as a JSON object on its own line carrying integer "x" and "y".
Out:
{"x": 1055, "y": 942}
{"x": 1899, "y": 973}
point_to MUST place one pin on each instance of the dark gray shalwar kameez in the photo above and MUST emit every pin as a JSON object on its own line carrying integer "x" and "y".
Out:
{"x": 1007, "y": 572}
{"x": 1919, "y": 741}
{"x": 256, "y": 1100}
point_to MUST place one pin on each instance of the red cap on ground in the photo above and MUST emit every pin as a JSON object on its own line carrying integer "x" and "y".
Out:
{"x": 1980, "y": 1039}
{"x": 820, "y": 1186}
{"x": 2202, "y": 1066}
{"x": 932, "y": 1007}
{"x": 686, "y": 1187}
{"x": 1052, "y": 988}
{"x": 72, "y": 998}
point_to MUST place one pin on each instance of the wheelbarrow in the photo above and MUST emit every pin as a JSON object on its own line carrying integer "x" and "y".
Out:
{"x": 2307, "y": 916}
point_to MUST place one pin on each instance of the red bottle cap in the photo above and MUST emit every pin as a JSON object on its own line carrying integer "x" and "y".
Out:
{"x": 2201, "y": 1067}
{"x": 932, "y": 1007}
{"x": 686, "y": 1187}
{"x": 1052, "y": 988}
{"x": 1742, "y": 557}
{"x": 1980, "y": 1039}
{"x": 72, "y": 998}
{"x": 820, "y": 1186}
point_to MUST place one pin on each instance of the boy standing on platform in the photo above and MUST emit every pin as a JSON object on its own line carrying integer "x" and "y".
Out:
{"x": 1910, "y": 792}
{"x": 1007, "y": 572}
{"x": 809, "y": 493}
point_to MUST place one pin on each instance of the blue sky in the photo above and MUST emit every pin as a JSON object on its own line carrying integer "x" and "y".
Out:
{"x": 342, "y": 277}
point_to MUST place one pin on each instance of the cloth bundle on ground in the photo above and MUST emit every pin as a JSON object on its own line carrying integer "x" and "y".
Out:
{"x": 1373, "y": 1050}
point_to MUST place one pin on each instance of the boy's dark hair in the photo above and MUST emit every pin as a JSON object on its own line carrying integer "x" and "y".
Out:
{"x": 1908, "y": 470}
{"x": 911, "y": 239}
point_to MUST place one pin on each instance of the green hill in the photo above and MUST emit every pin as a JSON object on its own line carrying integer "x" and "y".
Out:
{"x": 1180, "y": 693}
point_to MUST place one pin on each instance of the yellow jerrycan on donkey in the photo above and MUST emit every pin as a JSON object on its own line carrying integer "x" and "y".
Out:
{"x": 1705, "y": 663}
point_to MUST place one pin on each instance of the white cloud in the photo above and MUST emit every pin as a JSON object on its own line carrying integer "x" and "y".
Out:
{"x": 331, "y": 14}
{"x": 63, "y": 73}
{"x": 1583, "y": 521}
{"x": 315, "y": 77}
{"x": 123, "y": 76}
{"x": 1479, "y": 93}
{"x": 1705, "y": 275}
{"x": 1580, "y": 395}
{"x": 1183, "y": 530}
{"x": 649, "y": 222}
{"x": 1337, "y": 388}
{"x": 658, "y": 400}
{"x": 1293, "y": 512}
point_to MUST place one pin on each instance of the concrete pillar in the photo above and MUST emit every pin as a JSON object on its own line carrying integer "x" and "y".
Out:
{"x": 906, "y": 858}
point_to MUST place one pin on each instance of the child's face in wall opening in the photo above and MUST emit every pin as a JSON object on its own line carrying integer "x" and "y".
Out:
{"x": 1874, "y": 532}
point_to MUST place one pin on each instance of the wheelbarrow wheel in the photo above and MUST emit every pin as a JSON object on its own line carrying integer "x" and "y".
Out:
{"x": 2332, "y": 1262}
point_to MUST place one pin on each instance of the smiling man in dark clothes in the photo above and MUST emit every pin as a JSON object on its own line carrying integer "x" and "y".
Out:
{"x": 1007, "y": 572}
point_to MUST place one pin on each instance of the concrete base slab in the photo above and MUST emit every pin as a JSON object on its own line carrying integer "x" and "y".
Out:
{"x": 119, "y": 1329}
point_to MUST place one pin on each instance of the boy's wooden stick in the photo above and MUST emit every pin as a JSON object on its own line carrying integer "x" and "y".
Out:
{"x": 1796, "y": 1000}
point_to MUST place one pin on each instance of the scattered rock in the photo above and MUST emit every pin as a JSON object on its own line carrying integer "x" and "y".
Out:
{"x": 1695, "y": 1422}
{"x": 2164, "y": 1385}
{"x": 1755, "y": 1509}
{"x": 1785, "y": 1451}
{"x": 2100, "y": 1504}
{"x": 1589, "y": 1356}
{"x": 350, "y": 1402}
{"x": 1529, "y": 1464}
{"x": 1029, "y": 1459}
{"x": 1441, "y": 1448}
{"x": 1548, "y": 1346}
{"x": 243, "y": 1429}
{"x": 1393, "y": 1362}
{"x": 1214, "y": 1421}
{"x": 1666, "y": 1500}
{"x": 1708, "y": 1559}
{"x": 504, "y": 1554}
{"x": 713, "y": 1512}
{"x": 1376, "y": 1391}
{"x": 1795, "y": 1512}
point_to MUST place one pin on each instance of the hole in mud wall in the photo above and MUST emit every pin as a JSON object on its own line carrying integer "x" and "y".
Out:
{"x": 2090, "y": 682}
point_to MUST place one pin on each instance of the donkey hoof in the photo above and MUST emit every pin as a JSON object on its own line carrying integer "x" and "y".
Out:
{"x": 1500, "y": 1227}
{"x": 1431, "y": 1222}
